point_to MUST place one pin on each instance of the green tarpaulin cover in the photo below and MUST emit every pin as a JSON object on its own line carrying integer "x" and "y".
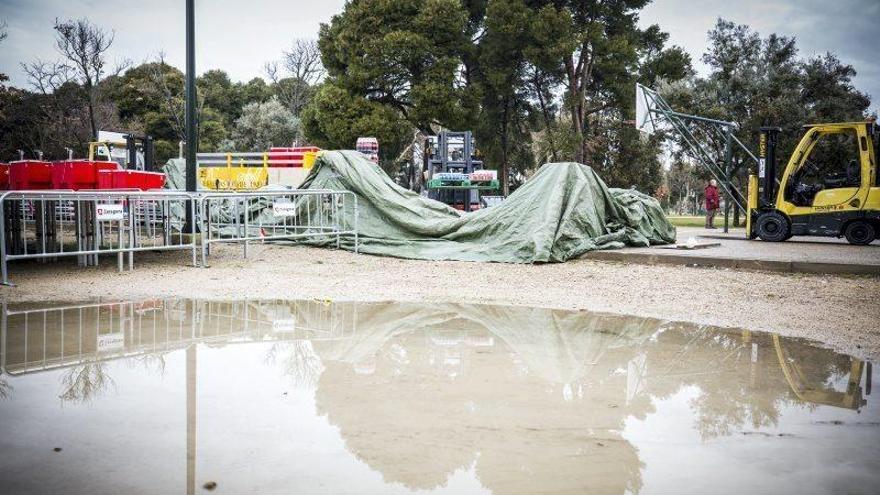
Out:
{"x": 561, "y": 212}
{"x": 564, "y": 210}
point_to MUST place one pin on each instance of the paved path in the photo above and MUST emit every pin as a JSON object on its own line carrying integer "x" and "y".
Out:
{"x": 800, "y": 254}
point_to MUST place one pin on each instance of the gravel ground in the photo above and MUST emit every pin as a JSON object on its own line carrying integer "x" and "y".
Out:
{"x": 842, "y": 312}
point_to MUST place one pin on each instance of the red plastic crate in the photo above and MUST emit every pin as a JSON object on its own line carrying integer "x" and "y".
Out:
{"x": 78, "y": 174}
{"x": 130, "y": 179}
{"x": 4, "y": 176}
{"x": 30, "y": 175}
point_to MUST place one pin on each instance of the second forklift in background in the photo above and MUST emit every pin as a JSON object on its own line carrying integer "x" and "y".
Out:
{"x": 454, "y": 174}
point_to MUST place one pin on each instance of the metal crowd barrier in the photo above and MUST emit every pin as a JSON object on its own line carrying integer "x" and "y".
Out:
{"x": 46, "y": 225}
{"x": 51, "y": 224}
{"x": 277, "y": 215}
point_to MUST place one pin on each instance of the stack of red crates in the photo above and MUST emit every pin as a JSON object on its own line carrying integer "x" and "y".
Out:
{"x": 30, "y": 175}
{"x": 289, "y": 157}
{"x": 78, "y": 174}
{"x": 130, "y": 179}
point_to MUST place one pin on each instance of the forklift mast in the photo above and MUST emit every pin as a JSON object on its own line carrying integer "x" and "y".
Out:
{"x": 767, "y": 166}
{"x": 130, "y": 151}
{"x": 452, "y": 152}
{"x": 131, "y": 145}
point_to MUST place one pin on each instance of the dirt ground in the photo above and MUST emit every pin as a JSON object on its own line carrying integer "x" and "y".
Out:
{"x": 839, "y": 311}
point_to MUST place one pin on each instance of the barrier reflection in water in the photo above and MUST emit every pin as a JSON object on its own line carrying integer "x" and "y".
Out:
{"x": 524, "y": 400}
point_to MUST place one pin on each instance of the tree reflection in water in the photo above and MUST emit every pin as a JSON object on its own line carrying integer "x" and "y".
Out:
{"x": 5, "y": 388}
{"x": 556, "y": 426}
{"x": 85, "y": 382}
{"x": 299, "y": 362}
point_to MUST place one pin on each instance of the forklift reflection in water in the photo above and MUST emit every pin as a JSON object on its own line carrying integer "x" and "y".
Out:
{"x": 852, "y": 397}
{"x": 829, "y": 187}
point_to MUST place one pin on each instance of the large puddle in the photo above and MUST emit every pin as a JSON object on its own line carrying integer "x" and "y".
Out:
{"x": 297, "y": 397}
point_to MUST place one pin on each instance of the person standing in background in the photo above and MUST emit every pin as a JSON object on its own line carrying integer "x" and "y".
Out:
{"x": 712, "y": 203}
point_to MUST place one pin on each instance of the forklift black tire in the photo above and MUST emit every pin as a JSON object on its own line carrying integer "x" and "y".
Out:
{"x": 860, "y": 233}
{"x": 773, "y": 227}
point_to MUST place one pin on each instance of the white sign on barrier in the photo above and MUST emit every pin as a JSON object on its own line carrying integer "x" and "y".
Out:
{"x": 110, "y": 342}
{"x": 109, "y": 212}
{"x": 284, "y": 326}
{"x": 283, "y": 208}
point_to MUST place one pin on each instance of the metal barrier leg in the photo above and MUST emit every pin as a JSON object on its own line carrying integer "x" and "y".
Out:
{"x": 338, "y": 214}
{"x": 131, "y": 234}
{"x": 355, "y": 225}
{"x": 192, "y": 205}
{"x": 119, "y": 256}
{"x": 77, "y": 214}
{"x": 3, "y": 266}
{"x": 246, "y": 226}
{"x": 206, "y": 232}
{"x": 98, "y": 232}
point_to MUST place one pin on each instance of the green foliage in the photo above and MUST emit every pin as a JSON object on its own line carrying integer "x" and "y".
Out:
{"x": 623, "y": 159}
{"x": 509, "y": 69}
{"x": 335, "y": 119}
{"x": 263, "y": 125}
{"x": 403, "y": 54}
{"x": 150, "y": 97}
{"x": 229, "y": 99}
{"x": 212, "y": 129}
{"x": 165, "y": 149}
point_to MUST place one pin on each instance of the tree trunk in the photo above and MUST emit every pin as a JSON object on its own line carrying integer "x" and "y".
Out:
{"x": 505, "y": 166}
{"x": 578, "y": 77}
{"x": 548, "y": 121}
{"x": 93, "y": 123}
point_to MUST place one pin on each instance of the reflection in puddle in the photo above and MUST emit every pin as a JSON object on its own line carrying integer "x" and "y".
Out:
{"x": 316, "y": 397}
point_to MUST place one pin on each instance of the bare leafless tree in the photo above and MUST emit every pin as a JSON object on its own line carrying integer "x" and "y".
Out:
{"x": 170, "y": 93}
{"x": 300, "y": 68}
{"x": 47, "y": 77}
{"x": 53, "y": 117}
{"x": 84, "y": 47}
{"x": 3, "y": 35}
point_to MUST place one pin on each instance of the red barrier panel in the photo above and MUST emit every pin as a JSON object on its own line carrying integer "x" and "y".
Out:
{"x": 30, "y": 175}
{"x": 78, "y": 174}
{"x": 130, "y": 179}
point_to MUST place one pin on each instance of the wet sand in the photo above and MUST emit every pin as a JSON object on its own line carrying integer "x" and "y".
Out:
{"x": 838, "y": 311}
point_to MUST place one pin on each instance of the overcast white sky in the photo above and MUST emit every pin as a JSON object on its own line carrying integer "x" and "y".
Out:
{"x": 239, "y": 36}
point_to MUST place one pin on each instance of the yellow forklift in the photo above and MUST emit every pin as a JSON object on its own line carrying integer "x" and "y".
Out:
{"x": 128, "y": 150}
{"x": 829, "y": 187}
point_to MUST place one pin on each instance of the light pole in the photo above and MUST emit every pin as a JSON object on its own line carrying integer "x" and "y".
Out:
{"x": 192, "y": 137}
